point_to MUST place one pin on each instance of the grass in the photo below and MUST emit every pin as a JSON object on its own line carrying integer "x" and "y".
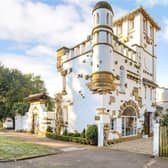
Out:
{"x": 11, "y": 148}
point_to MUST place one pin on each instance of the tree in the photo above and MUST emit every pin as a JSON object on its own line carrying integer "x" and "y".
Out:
{"x": 164, "y": 120}
{"x": 14, "y": 87}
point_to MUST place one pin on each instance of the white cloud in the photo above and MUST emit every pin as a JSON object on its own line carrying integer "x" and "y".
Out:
{"x": 41, "y": 50}
{"x": 28, "y": 21}
{"x": 152, "y": 3}
{"x": 63, "y": 24}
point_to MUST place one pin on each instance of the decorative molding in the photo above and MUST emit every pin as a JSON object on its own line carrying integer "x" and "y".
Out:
{"x": 133, "y": 14}
{"x": 102, "y": 82}
{"x": 127, "y": 104}
{"x": 149, "y": 83}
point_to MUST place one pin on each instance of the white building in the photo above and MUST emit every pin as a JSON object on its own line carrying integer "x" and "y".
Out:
{"x": 110, "y": 78}
{"x": 162, "y": 98}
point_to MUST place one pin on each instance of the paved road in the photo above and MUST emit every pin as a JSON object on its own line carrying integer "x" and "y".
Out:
{"x": 91, "y": 158}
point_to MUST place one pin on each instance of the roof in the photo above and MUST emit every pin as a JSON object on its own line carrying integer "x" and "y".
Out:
{"x": 103, "y": 4}
{"x": 142, "y": 10}
{"x": 37, "y": 96}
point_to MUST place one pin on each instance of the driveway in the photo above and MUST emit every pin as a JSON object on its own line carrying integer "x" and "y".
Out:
{"x": 143, "y": 145}
{"x": 91, "y": 158}
{"x": 62, "y": 145}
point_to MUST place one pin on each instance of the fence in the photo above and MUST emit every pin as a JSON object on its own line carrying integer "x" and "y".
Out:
{"x": 163, "y": 141}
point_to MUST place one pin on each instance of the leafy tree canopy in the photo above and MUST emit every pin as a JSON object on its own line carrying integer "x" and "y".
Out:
{"x": 14, "y": 87}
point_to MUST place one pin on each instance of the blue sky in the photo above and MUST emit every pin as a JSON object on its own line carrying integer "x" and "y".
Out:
{"x": 32, "y": 30}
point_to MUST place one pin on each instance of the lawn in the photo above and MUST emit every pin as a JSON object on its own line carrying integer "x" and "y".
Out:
{"x": 11, "y": 148}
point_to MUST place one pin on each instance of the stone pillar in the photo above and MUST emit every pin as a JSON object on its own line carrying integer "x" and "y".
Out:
{"x": 156, "y": 139}
{"x": 100, "y": 134}
{"x": 102, "y": 119}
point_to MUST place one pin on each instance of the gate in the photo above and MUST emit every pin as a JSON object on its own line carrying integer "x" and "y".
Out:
{"x": 163, "y": 141}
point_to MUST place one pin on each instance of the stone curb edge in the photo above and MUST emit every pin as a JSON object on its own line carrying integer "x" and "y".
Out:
{"x": 32, "y": 157}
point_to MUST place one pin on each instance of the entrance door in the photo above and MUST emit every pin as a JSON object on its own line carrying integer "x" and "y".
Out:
{"x": 129, "y": 122}
{"x": 147, "y": 123}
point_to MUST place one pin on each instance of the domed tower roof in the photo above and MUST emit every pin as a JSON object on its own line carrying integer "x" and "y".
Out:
{"x": 103, "y": 4}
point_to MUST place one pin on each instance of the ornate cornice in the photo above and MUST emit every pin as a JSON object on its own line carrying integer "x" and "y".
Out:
{"x": 134, "y": 13}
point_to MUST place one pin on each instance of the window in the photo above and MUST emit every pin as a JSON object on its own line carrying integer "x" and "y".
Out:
{"x": 145, "y": 92}
{"x": 145, "y": 25}
{"x": 120, "y": 29}
{"x": 107, "y": 37}
{"x": 107, "y": 18}
{"x": 151, "y": 31}
{"x": 97, "y": 37}
{"x": 131, "y": 24}
{"x": 151, "y": 93}
{"x": 97, "y": 18}
{"x": 112, "y": 124}
{"x": 122, "y": 79}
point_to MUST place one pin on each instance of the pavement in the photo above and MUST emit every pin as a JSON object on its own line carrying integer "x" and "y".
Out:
{"x": 143, "y": 145}
{"x": 85, "y": 156}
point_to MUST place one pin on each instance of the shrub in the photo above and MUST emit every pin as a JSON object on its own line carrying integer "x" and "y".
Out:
{"x": 92, "y": 134}
{"x": 49, "y": 129}
{"x": 83, "y": 133}
{"x": 76, "y": 134}
{"x": 67, "y": 138}
{"x": 65, "y": 132}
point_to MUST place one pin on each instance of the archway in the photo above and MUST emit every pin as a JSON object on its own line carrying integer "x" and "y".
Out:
{"x": 129, "y": 122}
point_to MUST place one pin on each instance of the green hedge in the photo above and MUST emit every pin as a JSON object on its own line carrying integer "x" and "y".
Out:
{"x": 92, "y": 134}
{"x": 67, "y": 138}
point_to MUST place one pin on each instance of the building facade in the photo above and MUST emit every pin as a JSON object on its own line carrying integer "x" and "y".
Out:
{"x": 110, "y": 78}
{"x": 162, "y": 99}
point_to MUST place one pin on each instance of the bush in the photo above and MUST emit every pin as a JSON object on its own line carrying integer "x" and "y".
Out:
{"x": 65, "y": 132}
{"x": 164, "y": 120}
{"x": 92, "y": 134}
{"x": 49, "y": 129}
{"x": 83, "y": 134}
{"x": 67, "y": 138}
{"x": 76, "y": 134}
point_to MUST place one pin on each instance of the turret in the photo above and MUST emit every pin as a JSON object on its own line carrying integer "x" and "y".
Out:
{"x": 102, "y": 79}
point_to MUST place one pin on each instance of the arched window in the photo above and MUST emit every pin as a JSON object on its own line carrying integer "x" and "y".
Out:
{"x": 97, "y": 18}
{"x": 107, "y": 18}
{"x": 122, "y": 78}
